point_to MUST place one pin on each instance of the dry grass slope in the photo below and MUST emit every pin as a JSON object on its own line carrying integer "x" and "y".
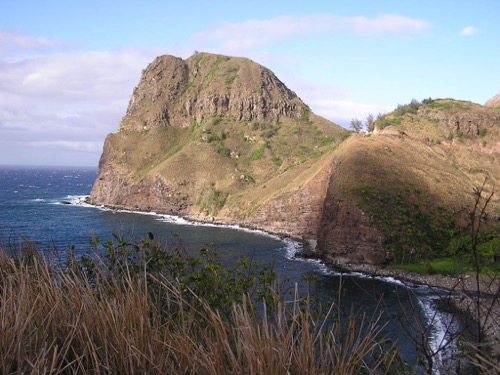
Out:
{"x": 61, "y": 322}
{"x": 429, "y": 161}
{"x": 229, "y": 124}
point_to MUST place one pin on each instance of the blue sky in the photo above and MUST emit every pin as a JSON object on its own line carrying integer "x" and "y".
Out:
{"x": 68, "y": 68}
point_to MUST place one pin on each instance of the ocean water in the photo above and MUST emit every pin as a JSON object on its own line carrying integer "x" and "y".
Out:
{"x": 46, "y": 206}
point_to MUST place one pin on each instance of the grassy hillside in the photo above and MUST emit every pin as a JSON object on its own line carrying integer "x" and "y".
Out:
{"x": 222, "y": 138}
{"x": 415, "y": 175}
{"x": 238, "y": 157}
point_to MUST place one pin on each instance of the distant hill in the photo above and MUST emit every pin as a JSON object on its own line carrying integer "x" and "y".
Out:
{"x": 218, "y": 138}
{"x": 493, "y": 102}
{"x": 416, "y": 174}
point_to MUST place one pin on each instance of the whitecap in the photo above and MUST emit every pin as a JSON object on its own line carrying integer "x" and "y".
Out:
{"x": 391, "y": 280}
{"x": 439, "y": 329}
{"x": 74, "y": 200}
{"x": 292, "y": 251}
{"x": 441, "y": 326}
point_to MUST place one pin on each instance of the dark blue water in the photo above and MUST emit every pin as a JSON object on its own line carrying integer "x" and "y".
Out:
{"x": 45, "y": 205}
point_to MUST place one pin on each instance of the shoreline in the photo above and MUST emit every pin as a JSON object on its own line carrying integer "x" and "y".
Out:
{"x": 456, "y": 293}
{"x": 461, "y": 298}
{"x": 336, "y": 263}
{"x": 462, "y": 283}
{"x": 460, "y": 291}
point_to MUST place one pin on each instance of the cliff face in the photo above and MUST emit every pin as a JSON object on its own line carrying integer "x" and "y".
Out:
{"x": 176, "y": 92}
{"x": 219, "y": 138}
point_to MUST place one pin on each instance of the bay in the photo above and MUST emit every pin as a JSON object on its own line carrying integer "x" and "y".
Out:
{"x": 45, "y": 205}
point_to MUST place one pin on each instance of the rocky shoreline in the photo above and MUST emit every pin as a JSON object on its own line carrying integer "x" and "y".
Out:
{"x": 345, "y": 265}
{"x": 461, "y": 290}
{"x": 461, "y": 297}
{"x": 434, "y": 281}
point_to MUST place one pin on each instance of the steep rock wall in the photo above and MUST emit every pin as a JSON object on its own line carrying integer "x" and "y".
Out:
{"x": 175, "y": 92}
{"x": 288, "y": 149}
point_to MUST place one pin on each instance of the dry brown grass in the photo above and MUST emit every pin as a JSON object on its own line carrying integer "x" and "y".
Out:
{"x": 56, "y": 322}
{"x": 444, "y": 174}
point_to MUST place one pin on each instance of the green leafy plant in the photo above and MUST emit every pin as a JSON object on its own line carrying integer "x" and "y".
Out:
{"x": 414, "y": 233}
{"x": 258, "y": 153}
{"x": 210, "y": 199}
{"x": 277, "y": 161}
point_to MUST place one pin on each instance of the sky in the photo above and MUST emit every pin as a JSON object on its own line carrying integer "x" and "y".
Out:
{"x": 68, "y": 68}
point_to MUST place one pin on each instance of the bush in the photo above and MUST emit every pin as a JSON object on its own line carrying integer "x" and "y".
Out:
{"x": 412, "y": 108}
{"x": 326, "y": 141}
{"x": 258, "y": 153}
{"x": 222, "y": 150}
{"x": 277, "y": 161}
{"x": 414, "y": 233}
{"x": 210, "y": 199}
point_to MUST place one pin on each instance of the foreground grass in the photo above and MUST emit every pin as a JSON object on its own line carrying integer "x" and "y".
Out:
{"x": 97, "y": 319}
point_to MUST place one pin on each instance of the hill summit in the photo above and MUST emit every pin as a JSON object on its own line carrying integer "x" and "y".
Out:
{"x": 176, "y": 92}
{"x": 222, "y": 139}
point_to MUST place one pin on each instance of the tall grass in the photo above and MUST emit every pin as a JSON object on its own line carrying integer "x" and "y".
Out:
{"x": 58, "y": 320}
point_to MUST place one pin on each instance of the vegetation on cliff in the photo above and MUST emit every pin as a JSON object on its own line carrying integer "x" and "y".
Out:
{"x": 423, "y": 164}
{"x": 221, "y": 138}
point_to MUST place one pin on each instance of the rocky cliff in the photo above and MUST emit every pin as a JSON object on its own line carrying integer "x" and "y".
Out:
{"x": 218, "y": 138}
{"x": 176, "y": 92}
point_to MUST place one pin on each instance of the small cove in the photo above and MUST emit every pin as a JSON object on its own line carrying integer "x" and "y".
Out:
{"x": 35, "y": 204}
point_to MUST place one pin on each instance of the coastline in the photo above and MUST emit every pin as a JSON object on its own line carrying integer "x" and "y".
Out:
{"x": 454, "y": 293}
{"x": 339, "y": 264}
{"x": 457, "y": 292}
{"x": 460, "y": 296}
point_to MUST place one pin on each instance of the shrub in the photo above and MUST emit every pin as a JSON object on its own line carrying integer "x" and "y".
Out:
{"x": 414, "y": 233}
{"x": 326, "y": 141}
{"x": 258, "y": 153}
{"x": 229, "y": 80}
{"x": 216, "y": 120}
{"x": 412, "y": 108}
{"x": 277, "y": 161}
{"x": 210, "y": 199}
{"x": 223, "y": 150}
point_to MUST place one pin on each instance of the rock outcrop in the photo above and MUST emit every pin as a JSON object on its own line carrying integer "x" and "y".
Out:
{"x": 217, "y": 138}
{"x": 176, "y": 92}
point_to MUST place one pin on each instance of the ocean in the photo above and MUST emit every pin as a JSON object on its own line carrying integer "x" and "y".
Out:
{"x": 46, "y": 205}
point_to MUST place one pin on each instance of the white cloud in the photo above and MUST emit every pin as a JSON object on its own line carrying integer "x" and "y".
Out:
{"x": 86, "y": 146}
{"x": 469, "y": 31}
{"x": 342, "y": 111}
{"x": 384, "y": 23}
{"x": 259, "y": 32}
{"x": 69, "y": 99}
{"x": 79, "y": 75}
{"x": 14, "y": 45}
{"x": 333, "y": 102}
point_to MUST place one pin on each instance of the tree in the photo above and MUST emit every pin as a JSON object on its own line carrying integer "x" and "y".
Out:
{"x": 356, "y": 125}
{"x": 370, "y": 123}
